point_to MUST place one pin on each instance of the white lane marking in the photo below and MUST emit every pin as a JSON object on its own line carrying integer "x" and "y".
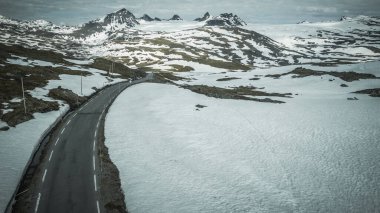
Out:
{"x": 80, "y": 109}
{"x": 93, "y": 147}
{"x": 43, "y": 177}
{"x": 74, "y": 115}
{"x": 51, "y": 154}
{"x": 68, "y": 122}
{"x": 63, "y": 130}
{"x": 38, "y": 202}
{"x": 95, "y": 134}
{"x": 97, "y": 204}
{"x": 56, "y": 141}
{"x": 96, "y": 188}
{"x": 93, "y": 161}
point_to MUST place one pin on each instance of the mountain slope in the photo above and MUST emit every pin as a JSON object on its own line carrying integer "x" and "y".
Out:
{"x": 225, "y": 45}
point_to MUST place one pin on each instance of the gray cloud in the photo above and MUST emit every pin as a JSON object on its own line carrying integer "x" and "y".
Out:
{"x": 273, "y": 11}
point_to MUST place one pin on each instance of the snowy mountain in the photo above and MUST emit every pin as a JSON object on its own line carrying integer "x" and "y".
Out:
{"x": 303, "y": 22}
{"x": 34, "y": 26}
{"x": 222, "y": 39}
{"x": 345, "y": 18}
{"x": 122, "y": 16}
{"x": 369, "y": 21}
{"x": 146, "y": 17}
{"x": 205, "y": 17}
{"x": 120, "y": 19}
{"x": 175, "y": 18}
{"x": 226, "y": 19}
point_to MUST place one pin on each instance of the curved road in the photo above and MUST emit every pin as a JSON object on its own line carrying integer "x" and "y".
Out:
{"x": 70, "y": 181}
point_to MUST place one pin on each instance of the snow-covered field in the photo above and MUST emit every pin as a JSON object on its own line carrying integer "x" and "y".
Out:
{"x": 313, "y": 154}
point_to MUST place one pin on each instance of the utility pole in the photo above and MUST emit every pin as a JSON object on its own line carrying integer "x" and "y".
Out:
{"x": 23, "y": 94}
{"x": 81, "y": 84}
{"x": 112, "y": 67}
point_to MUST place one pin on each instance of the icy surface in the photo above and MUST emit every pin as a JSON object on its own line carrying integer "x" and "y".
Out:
{"x": 312, "y": 154}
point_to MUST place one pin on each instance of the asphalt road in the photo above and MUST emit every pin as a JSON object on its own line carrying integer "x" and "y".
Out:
{"x": 70, "y": 179}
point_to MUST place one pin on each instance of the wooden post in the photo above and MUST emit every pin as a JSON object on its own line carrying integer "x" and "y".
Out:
{"x": 81, "y": 91}
{"x": 23, "y": 94}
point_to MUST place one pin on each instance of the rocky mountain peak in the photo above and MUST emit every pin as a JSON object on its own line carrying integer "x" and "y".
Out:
{"x": 205, "y": 17}
{"x": 146, "y": 17}
{"x": 303, "y": 22}
{"x": 344, "y": 18}
{"x": 122, "y": 16}
{"x": 117, "y": 20}
{"x": 175, "y": 18}
{"x": 226, "y": 19}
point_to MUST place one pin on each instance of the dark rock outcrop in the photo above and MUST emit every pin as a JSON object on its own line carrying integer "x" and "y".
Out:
{"x": 175, "y": 18}
{"x": 146, "y": 17}
{"x": 205, "y": 17}
{"x": 344, "y": 18}
{"x": 371, "y": 92}
{"x": 68, "y": 96}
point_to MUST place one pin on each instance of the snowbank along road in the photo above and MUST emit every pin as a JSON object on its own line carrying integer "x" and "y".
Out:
{"x": 70, "y": 180}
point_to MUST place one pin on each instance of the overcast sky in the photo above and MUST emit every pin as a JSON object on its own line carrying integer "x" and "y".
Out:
{"x": 258, "y": 11}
